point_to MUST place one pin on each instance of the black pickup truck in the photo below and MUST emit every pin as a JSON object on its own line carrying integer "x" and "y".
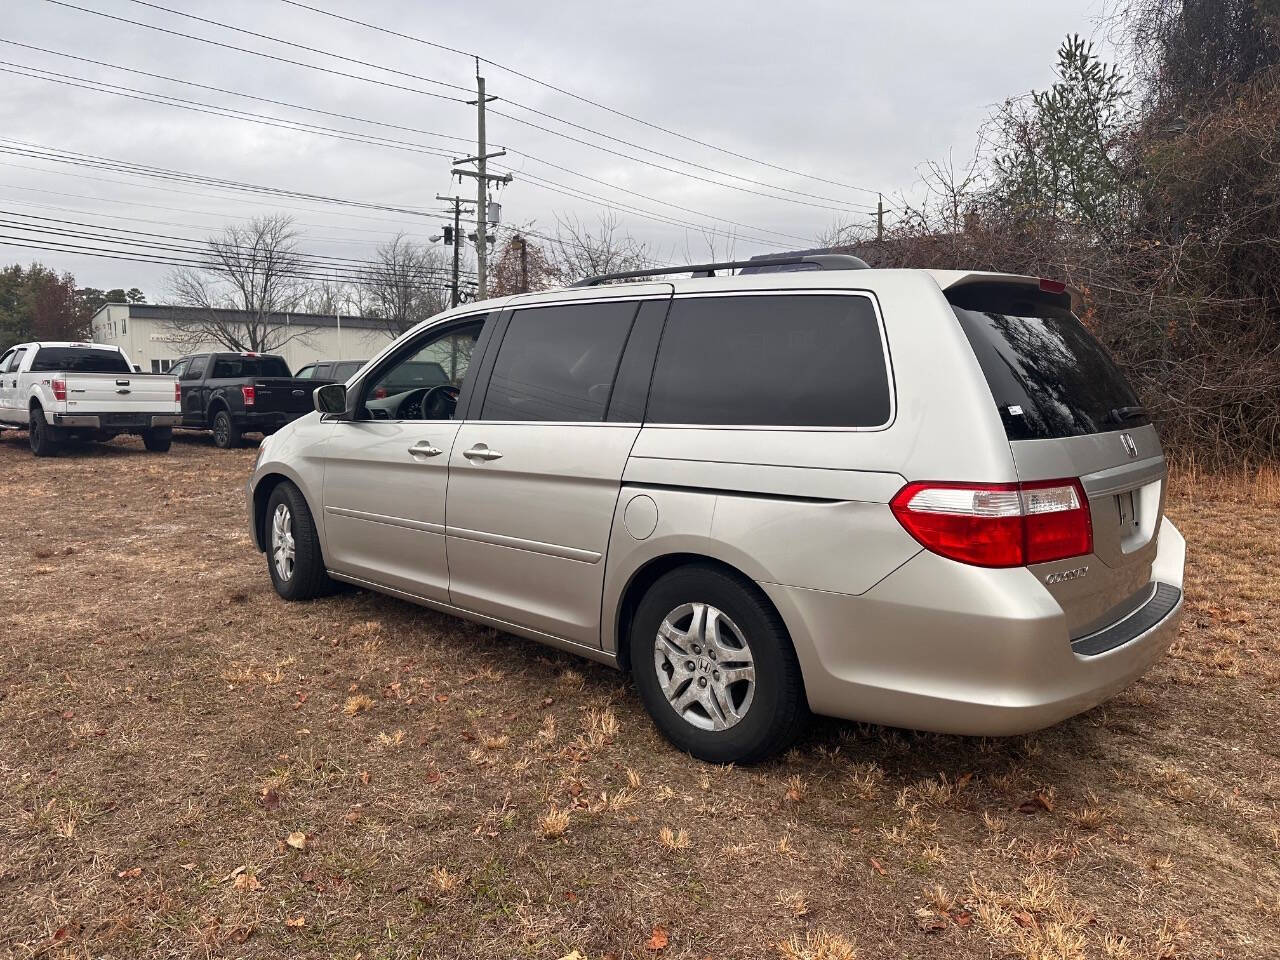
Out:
{"x": 237, "y": 393}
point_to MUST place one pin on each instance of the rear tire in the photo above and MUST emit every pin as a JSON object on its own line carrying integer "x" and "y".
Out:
{"x": 722, "y": 682}
{"x": 158, "y": 439}
{"x": 41, "y": 436}
{"x": 292, "y": 546}
{"x": 226, "y": 435}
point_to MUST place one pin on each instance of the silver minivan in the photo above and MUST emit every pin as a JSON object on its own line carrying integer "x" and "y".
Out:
{"x": 920, "y": 498}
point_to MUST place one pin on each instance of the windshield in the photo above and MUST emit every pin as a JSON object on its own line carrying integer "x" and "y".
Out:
{"x": 79, "y": 360}
{"x": 1049, "y": 377}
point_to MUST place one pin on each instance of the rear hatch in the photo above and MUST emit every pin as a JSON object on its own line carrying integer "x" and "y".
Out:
{"x": 1069, "y": 413}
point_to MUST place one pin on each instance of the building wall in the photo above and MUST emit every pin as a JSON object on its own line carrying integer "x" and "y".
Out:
{"x": 150, "y": 343}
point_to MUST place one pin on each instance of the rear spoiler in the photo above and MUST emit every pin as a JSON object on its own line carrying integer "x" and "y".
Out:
{"x": 952, "y": 279}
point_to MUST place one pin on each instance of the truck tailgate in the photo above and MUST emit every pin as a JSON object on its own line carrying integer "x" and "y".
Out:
{"x": 283, "y": 394}
{"x": 90, "y": 393}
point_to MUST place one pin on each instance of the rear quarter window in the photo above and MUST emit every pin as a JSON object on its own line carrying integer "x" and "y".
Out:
{"x": 1049, "y": 377}
{"x": 789, "y": 360}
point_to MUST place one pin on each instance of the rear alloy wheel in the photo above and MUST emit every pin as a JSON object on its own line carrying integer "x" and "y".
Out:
{"x": 293, "y": 549}
{"x": 715, "y": 667}
{"x": 226, "y": 435}
{"x": 40, "y": 435}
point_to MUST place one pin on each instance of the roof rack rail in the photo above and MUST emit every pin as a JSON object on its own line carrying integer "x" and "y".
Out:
{"x": 820, "y": 261}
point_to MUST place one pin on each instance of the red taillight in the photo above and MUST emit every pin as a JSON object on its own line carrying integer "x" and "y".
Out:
{"x": 998, "y": 524}
{"x": 177, "y": 392}
{"x": 247, "y": 391}
{"x": 59, "y": 389}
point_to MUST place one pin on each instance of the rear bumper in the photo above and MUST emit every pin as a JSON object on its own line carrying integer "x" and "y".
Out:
{"x": 940, "y": 646}
{"x": 114, "y": 421}
{"x": 255, "y": 421}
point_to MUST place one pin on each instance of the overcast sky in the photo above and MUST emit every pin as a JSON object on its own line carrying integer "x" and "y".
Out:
{"x": 856, "y": 93}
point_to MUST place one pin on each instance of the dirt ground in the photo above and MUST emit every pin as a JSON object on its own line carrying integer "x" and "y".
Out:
{"x": 190, "y": 767}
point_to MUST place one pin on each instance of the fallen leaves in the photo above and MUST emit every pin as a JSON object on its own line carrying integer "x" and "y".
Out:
{"x": 297, "y": 840}
{"x": 659, "y": 939}
{"x": 131, "y": 874}
{"x": 1041, "y": 800}
{"x": 247, "y": 881}
{"x": 295, "y": 923}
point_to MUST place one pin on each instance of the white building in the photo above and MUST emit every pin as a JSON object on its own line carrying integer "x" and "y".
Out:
{"x": 146, "y": 332}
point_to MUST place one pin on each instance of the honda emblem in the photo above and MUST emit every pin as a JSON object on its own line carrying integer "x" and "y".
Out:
{"x": 1130, "y": 447}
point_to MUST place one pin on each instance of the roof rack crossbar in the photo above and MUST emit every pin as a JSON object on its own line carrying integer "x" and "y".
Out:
{"x": 821, "y": 261}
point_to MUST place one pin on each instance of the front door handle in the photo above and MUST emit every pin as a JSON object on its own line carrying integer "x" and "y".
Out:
{"x": 482, "y": 452}
{"x": 423, "y": 448}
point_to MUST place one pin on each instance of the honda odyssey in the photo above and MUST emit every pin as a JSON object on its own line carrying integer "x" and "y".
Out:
{"x": 921, "y": 498}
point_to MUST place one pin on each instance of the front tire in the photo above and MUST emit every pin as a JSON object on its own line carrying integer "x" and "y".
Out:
{"x": 226, "y": 435}
{"x": 41, "y": 436}
{"x": 158, "y": 439}
{"x": 293, "y": 548}
{"x": 715, "y": 667}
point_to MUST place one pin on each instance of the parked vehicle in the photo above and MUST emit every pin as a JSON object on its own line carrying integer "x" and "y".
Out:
{"x": 330, "y": 370}
{"x": 237, "y": 393}
{"x": 921, "y": 498}
{"x": 59, "y": 391}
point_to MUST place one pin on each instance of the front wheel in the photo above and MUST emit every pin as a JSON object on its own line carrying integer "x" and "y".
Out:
{"x": 41, "y": 436}
{"x": 715, "y": 667}
{"x": 226, "y": 434}
{"x": 158, "y": 439}
{"x": 293, "y": 548}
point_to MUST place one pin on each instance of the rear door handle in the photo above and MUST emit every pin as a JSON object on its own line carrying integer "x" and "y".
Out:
{"x": 423, "y": 448}
{"x": 482, "y": 452}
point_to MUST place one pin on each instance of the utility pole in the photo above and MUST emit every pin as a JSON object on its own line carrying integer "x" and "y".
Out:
{"x": 880, "y": 218}
{"x": 456, "y": 240}
{"x": 483, "y": 177}
{"x": 524, "y": 262}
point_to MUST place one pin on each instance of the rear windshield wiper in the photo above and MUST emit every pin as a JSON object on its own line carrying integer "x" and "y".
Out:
{"x": 1121, "y": 414}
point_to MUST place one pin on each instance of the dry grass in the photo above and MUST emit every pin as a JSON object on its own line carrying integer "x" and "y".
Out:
{"x": 190, "y": 767}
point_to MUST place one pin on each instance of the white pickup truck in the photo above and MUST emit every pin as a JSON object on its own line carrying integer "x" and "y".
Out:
{"x": 59, "y": 391}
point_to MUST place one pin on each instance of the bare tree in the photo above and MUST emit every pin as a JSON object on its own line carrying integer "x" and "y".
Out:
{"x": 521, "y": 264}
{"x": 409, "y": 283}
{"x": 579, "y": 250}
{"x": 254, "y": 278}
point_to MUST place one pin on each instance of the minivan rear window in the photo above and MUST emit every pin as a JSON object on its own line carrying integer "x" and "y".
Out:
{"x": 79, "y": 360}
{"x": 1049, "y": 377}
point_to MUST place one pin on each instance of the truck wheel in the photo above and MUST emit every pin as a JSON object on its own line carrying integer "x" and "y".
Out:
{"x": 41, "y": 436}
{"x": 158, "y": 439}
{"x": 715, "y": 667}
{"x": 226, "y": 435}
{"x": 293, "y": 548}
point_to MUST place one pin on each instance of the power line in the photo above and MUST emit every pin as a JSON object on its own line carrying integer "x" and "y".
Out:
{"x": 315, "y": 259}
{"x": 578, "y": 97}
{"x": 846, "y": 207}
{"x": 299, "y": 127}
{"x": 394, "y": 126}
{"x": 37, "y": 151}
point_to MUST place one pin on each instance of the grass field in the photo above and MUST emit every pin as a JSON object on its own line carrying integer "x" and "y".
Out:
{"x": 190, "y": 767}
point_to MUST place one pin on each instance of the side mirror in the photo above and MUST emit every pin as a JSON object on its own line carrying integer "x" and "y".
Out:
{"x": 331, "y": 398}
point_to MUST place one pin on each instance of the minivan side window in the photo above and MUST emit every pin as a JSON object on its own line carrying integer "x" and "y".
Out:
{"x": 786, "y": 360}
{"x": 559, "y": 363}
